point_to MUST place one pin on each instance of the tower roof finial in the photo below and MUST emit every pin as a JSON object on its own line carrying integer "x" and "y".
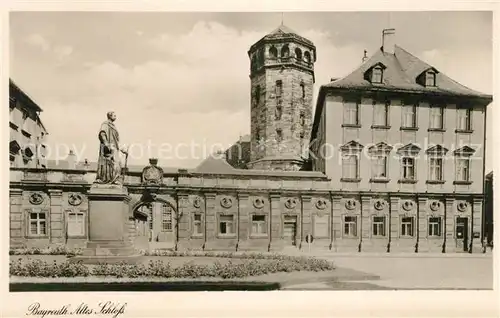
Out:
{"x": 282, "y": 17}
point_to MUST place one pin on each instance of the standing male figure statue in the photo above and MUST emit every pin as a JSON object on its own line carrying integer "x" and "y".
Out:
{"x": 108, "y": 164}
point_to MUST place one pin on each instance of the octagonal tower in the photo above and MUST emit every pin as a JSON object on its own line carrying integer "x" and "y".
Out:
{"x": 282, "y": 79}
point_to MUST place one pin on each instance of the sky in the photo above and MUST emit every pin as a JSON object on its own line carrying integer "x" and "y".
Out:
{"x": 179, "y": 82}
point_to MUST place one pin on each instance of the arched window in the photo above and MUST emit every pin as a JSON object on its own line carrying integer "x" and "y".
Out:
{"x": 303, "y": 89}
{"x": 279, "y": 135}
{"x": 257, "y": 94}
{"x": 307, "y": 57}
{"x": 253, "y": 65}
{"x": 273, "y": 52}
{"x": 260, "y": 58}
{"x": 285, "y": 51}
{"x": 298, "y": 54}
{"x": 166, "y": 218}
{"x": 278, "y": 112}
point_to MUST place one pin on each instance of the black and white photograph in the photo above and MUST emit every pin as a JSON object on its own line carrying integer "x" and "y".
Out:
{"x": 248, "y": 151}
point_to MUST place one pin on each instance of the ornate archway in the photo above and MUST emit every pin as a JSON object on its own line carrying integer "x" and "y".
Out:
{"x": 161, "y": 222}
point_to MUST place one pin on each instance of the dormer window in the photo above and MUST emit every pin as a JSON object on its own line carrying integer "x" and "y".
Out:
{"x": 377, "y": 74}
{"x": 430, "y": 79}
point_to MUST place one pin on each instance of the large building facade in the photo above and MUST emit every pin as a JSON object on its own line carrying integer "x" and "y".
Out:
{"x": 380, "y": 195}
{"x": 27, "y": 133}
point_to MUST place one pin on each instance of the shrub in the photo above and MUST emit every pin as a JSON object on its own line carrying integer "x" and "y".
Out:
{"x": 52, "y": 250}
{"x": 248, "y": 267}
{"x": 39, "y": 268}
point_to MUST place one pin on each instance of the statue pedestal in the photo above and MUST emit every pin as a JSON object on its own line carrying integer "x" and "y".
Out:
{"x": 110, "y": 236}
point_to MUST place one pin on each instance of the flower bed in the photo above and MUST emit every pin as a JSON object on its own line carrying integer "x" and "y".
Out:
{"x": 250, "y": 265}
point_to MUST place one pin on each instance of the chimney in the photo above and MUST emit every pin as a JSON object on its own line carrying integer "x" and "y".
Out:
{"x": 365, "y": 57}
{"x": 388, "y": 40}
{"x": 71, "y": 160}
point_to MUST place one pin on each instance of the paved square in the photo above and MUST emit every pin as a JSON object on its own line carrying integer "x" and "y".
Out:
{"x": 462, "y": 271}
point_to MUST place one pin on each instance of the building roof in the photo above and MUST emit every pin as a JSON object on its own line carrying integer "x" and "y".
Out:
{"x": 214, "y": 164}
{"x": 283, "y": 32}
{"x": 401, "y": 71}
{"x": 400, "y": 74}
{"x": 22, "y": 96}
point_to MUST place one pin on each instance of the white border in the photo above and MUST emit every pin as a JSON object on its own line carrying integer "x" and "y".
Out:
{"x": 250, "y": 304}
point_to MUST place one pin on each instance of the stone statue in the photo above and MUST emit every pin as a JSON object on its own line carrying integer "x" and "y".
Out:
{"x": 108, "y": 163}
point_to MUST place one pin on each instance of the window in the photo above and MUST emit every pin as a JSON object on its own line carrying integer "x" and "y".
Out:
{"x": 307, "y": 57}
{"x": 259, "y": 224}
{"x": 430, "y": 79}
{"x": 226, "y": 224}
{"x": 350, "y": 226}
{"x": 409, "y": 116}
{"x": 321, "y": 226}
{"x": 378, "y": 226}
{"x": 462, "y": 166}
{"x": 463, "y": 119}
{"x": 379, "y": 167}
{"x": 285, "y": 51}
{"x": 257, "y": 94}
{"x": 302, "y": 119}
{"x": 380, "y": 114}
{"x": 278, "y": 112}
{"x": 197, "y": 226}
{"x": 351, "y": 113}
{"x": 303, "y": 89}
{"x": 298, "y": 54}
{"x": 436, "y": 117}
{"x": 273, "y": 52}
{"x": 408, "y": 166}
{"x": 38, "y": 223}
{"x": 279, "y": 88}
{"x": 435, "y": 226}
{"x": 350, "y": 166}
{"x": 76, "y": 224}
{"x": 166, "y": 218}
{"x": 149, "y": 210}
{"x": 436, "y": 169}
{"x": 377, "y": 75}
{"x": 279, "y": 135}
{"x": 407, "y": 225}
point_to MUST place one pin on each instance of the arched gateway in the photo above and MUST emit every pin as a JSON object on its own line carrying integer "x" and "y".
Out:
{"x": 160, "y": 227}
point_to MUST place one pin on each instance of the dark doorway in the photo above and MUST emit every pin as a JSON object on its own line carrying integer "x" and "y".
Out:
{"x": 462, "y": 232}
{"x": 290, "y": 229}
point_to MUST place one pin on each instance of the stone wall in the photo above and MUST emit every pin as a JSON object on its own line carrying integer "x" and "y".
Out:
{"x": 260, "y": 213}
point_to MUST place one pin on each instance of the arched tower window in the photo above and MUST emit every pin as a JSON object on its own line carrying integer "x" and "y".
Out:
{"x": 298, "y": 54}
{"x": 273, "y": 52}
{"x": 279, "y": 135}
{"x": 303, "y": 90}
{"x": 285, "y": 51}
{"x": 260, "y": 58}
{"x": 279, "y": 88}
{"x": 307, "y": 57}
{"x": 257, "y": 94}
{"x": 278, "y": 112}
{"x": 253, "y": 63}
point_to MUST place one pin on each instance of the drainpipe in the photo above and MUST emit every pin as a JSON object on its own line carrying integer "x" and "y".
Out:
{"x": 417, "y": 226}
{"x": 483, "y": 212}
{"x": 360, "y": 225}
{"x": 443, "y": 249}
{"x": 390, "y": 224}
